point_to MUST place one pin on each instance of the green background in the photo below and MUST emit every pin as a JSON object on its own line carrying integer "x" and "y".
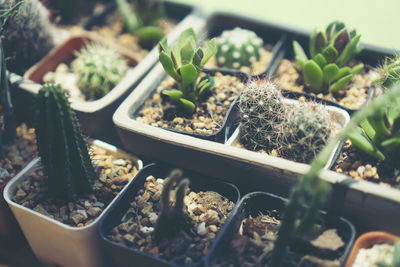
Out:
{"x": 377, "y": 20}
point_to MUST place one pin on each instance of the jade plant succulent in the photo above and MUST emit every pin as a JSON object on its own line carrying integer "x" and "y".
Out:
{"x": 173, "y": 218}
{"x": 62, "y": 149}
{"x": 327, "y": 69}
{"x": 184, "y": 63}
{"x": 142, "y": 19}
{"x": 99, "y": 68}
{"x": 237, "y": 48}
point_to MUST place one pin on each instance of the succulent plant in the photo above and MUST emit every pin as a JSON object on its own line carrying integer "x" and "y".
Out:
{"x": 389, "y": 72}
{"x": 172, "y": 218}
{"x": 261, "y": 110}
{"x": 62, "y": 149}
{"x": 142, "y": 20}
{"x": 99, "y": 68}
{"x": 27, "y": 34}
{"x": 304, "y": 131}
{"x": 184, "y": 63}
{"x": 330, "y": 51}
{"x": 237, "y": 48}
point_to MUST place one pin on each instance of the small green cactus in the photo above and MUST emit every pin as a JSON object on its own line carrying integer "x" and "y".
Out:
{"x": 389, "y": 72}
{"x": 304, "y": 131}
{"x": 184, "y": 63}
{"x": 261, "y": 110}
{"x": 330, "y": 52}
{"x": 61, "y": 147}
{"x": 237, "y": 48}
{"x": 99, "y": 68}
{"x": 173, "y": 218}
{"x": 27, "y": 34}
{"x": 142, "y": 19}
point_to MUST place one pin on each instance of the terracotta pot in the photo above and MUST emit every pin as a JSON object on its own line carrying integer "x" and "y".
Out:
{"x": 368, "y": 240}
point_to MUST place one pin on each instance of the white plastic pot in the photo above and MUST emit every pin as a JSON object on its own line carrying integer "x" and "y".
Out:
{"x": 55, "y": 243}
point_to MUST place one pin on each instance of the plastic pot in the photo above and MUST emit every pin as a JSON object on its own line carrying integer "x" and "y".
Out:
{"x": 55, "y": 243}
{"x": 259, "y": 202}
{"x": 122, "y": 255}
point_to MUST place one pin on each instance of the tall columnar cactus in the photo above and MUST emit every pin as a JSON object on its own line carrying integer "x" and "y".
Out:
{"x": 142, "y": 19}
{"x": 27, "y": 34}
{"x": 304, "y": 131}
{"x": 389, "y": 72}
{"x": 261, "y": 110}
{"x": 62, "y": 149}
{"x": 173, "y": 218}
{"x": 99, "y": 68}
{"x": 184, "y": 63}
{"x": 330, "y": 52}
{"x": 237, "y": 48}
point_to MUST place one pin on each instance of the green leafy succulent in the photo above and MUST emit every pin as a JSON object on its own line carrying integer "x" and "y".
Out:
{"x": 330, "y": 52}
{"x": 184, "y": 63}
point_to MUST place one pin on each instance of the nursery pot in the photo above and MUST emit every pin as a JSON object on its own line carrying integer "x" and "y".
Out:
{"x": 55, "y": 243}
{"x": 255, "y": 203}
{"x": 122, "y": 255}
{"x": 368, "y": 240}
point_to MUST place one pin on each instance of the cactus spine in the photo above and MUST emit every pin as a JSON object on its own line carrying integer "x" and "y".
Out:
{"x": 99, "y": 68}
{"x": 27, "y": 34}
{"x": 389, "y": 72}
{"x": 304, "y": 131}
{"x": 62, "y": 149}
{"x": 173, "y": 219}
{"x": 261, "y": 110}
{"x": 237, "y": 48}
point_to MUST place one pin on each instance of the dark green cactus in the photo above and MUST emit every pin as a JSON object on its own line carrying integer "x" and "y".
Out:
{"x": 330, "y": 52}
{"x": 142, "y": 19}
{"x": 237, "y": 48}
{"x": 304, "y": 131}
{"x": 311, "y": 190}
{"x": 62, "y": 149}
{"x": 27, "y": 34}
{"x": 184, "y": 63}
{"x": 173, "y": 218}
{"x": 261, "y": 111}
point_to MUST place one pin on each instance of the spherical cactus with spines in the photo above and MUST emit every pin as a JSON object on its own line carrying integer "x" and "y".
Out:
{"x": 304, "y": 131}
{"x": 261, "y": 110}
{"x": 99, "y": 68}
{"x": 237, "y": 48}
{"x": 62, "y": 149}
{"x": 27, "y": 34}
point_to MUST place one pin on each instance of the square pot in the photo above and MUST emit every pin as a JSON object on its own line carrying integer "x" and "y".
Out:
{"x": 122, "y": 255}
{"x": 55, "y": 243}
{"x": 95, "y": 117}
{"x": 259, "y": 202}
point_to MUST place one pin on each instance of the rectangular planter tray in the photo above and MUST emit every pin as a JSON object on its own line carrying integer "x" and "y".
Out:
{"x": 95, "y": 116}
{"x": 366, "y": 204}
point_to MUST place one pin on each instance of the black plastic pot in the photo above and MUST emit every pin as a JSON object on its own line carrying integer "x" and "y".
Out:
{"x": 221, "y": 133}
{"x": 117, "y": 254}
{"x": 259, "y": 202}
{"x": 219, "y": 22}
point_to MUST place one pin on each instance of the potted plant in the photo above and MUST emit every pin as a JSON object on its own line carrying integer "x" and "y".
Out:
{"x": 67, "y": 190}
{"x": 152, "y": 226}
{"x": 375, "y": 247}
{"x": 328, "y": 72}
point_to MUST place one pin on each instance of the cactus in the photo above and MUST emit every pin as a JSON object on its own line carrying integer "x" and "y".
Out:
{"x": 389, "y": 72}
{"x": 142, "y": 19}
{"x": 184, "y": 63}
{"x": 304, "y": 131}
{"x": 27, "y": 34}
{"x": 62, "y": 149}
{"x": 261, "y": 110}
{"x": 99, "y": 68}
{"x": 173, "y": 219}
{"x": 330, "y": 52}
{"x": 237, "y": 48}
{"x": 309, "y": 183}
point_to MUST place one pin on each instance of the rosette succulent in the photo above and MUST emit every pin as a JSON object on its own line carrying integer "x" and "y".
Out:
{"x": 237, "y": 48}
{"x": 184, "y": 63}
{"x": 330, "y": 52}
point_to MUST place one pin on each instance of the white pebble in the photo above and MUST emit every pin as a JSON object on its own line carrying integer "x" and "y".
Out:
{"x": 201, "y": 229}
{"x": 147, "y": 230}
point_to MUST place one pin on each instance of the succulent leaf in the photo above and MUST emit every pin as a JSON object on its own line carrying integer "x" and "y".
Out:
{"x": 299, "y": 52}
{"x": 340, "y": 84}
{"x": 313, "y": 75}
{"x": 349, "y": 51}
